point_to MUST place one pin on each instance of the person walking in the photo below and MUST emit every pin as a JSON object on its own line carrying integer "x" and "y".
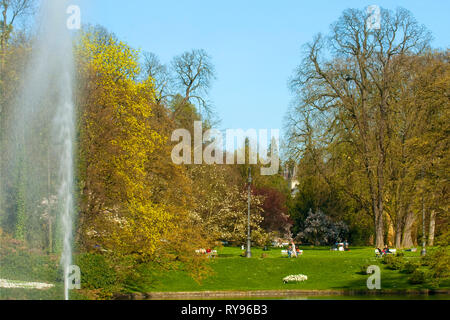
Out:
{"x": 294, "y": 252}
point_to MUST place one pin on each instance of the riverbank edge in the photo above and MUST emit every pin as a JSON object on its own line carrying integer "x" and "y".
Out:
{"x": 272, "y": 293}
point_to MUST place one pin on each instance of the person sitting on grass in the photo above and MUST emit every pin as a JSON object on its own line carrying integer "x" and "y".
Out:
{"x": 346, "y": 244}
{"x": 379, "y": 253}
{"x": 386, "y": 250}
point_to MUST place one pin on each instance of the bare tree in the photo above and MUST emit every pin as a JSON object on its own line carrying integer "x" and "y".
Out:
{"x": 160, "y": 74}
{"x": 193, "y": 74}
{"x": 345, "y": 83}
{"x": 11, "y": 11}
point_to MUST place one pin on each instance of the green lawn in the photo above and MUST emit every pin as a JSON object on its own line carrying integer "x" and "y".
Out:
{"x": 325, "y": 270}
{"x": 230, "y": 272}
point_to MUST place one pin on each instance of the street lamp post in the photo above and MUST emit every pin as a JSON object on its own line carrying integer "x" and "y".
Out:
{"x": 249, "y": 235}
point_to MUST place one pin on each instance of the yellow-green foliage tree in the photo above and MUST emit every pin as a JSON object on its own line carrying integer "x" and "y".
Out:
{"x": 116, "y": 142}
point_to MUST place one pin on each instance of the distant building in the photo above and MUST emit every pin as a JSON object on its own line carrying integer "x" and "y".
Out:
{"x": 290, "y": 175}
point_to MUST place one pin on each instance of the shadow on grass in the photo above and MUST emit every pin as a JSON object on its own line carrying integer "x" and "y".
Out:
{"x": 226, "y": 255}
{"x": 391, "y": 280}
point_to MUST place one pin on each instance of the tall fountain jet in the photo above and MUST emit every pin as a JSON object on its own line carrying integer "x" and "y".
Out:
{"x": 40, "y": 144}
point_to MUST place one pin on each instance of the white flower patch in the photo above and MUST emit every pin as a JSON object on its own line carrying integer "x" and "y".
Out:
{"x": 295, "y": 278}
{"x": 12, "y": 284}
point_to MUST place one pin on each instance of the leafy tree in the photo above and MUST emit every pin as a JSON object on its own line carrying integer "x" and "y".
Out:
{"x": 116, "y": 141}
{"x": 274, "y": 211}
{"x": 221, "y": 205}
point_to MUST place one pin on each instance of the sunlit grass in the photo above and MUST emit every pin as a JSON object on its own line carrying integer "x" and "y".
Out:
{"x": 325, "y": 270}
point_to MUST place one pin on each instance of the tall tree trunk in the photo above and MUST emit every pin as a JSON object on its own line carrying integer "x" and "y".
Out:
{"x": 407, "y": 241}
{"x": 378, "y": 222}
{"x": 398, "y": 234}
{"x": 432, "y": 228}
{"x": 379, "y": 229}
{"x": 380, "y": 169}
{"x": 377, "y": 215}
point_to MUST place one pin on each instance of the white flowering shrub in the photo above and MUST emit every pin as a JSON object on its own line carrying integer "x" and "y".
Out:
{"x": 295, "y": 278}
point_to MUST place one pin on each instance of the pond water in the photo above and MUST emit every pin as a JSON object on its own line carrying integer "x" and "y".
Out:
{"x": 330, "y": 297}
{"x": 373, "y": 297}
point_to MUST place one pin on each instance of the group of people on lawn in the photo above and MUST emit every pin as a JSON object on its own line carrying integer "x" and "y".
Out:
{"x": 385, "y": 251}
{"x": 208, "y": 252}
{"x": 344, "y": 246}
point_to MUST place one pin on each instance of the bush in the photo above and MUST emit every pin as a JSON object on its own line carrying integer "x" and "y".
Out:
{"x": 393, "y": 262}
{"x": 387, "y": 259}
{"x": 96, "y": 272}
{"x": 363, "y": 268}
{"x": 141, "y": 277}
{"x": 438, "y": 260}
{"x": 409, "y": 267}
{"x": 418, "y": 277}
{"x": 18, "y": 262}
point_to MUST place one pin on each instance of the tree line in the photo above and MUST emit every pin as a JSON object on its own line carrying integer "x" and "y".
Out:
{"x": 367, "y": 137}
{"x": 369, "y": 131}
{"x": 134, "y": 205}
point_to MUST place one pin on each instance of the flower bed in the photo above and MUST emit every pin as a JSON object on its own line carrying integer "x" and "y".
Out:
{"x": 295, "y": 278}
{"x": 12, "y": 284}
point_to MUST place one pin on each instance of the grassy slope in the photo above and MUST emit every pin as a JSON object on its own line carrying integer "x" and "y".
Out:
{"x": 325, "y": 270}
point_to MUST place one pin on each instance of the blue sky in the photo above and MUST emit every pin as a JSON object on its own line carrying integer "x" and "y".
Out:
{"x": 255, "y": 44}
